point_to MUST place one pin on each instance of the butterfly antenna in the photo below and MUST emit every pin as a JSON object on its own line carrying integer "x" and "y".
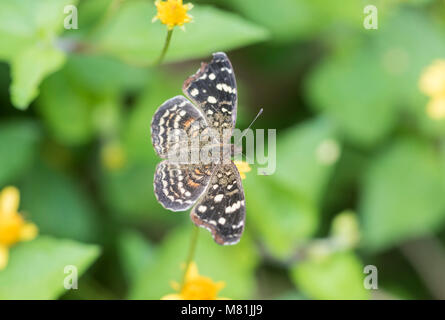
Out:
{"x": 253, "y": 121}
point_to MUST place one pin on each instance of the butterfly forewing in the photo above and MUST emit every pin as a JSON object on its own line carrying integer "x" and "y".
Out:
{"x": 174, "y": 116}
{"x": 222, "y": 209}
{"x": 213, "y": 89}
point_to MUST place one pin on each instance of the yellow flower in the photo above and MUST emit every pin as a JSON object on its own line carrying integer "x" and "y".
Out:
{"x": 432, "y": 81}
{"x": 13, "y": 228}
{"x": 196, "y": 287}
{"x": 436, "y": 108}
{"x": 243, "y": 167}
{"x": 173, "y": 13}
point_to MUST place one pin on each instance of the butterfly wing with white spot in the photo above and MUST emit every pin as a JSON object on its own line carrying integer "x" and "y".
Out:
{"x": 173, "y": 123}
{"x": 178, "y": 186}
{"x": 213, "y": 89}
{"x": 222, "y": 209}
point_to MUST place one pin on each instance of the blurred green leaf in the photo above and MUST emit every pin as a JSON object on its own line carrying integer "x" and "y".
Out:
{"x": 36, "y": 268}
{"x": 58, "y": 205}
{"x": 338, "y": 276}
{"x": 402, "y": 194}
{"x": 306, "y": 157}
{"x": 75, "y": 113}
{"x": 294, "y": 16}
{"x": 375, "y": 81}
{"x": 93, "y": 13}
{"x": 400, "y": 50}
{"x": 28, "y": 22}
{"x": 128, "y": 192}
{"x": 352, "y": 89}
{"x": 18, "y": 144}
{"x": 402, "y": 56}
{"x": 132, "y": 36}
{"x": 29, "y": 69}
{"x": 281, "y": 217}
{"x": 67, "y": 112}
{"x": 232, "y": 264}
{"x": 292, "y": 19}
{"x": 136, "y": 254}
{"x": 28, "y": 29}
{"x": 97, "y": 74}
{"x": 283, "y": 208}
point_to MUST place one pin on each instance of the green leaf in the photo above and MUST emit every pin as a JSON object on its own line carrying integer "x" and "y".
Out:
{"x": 306, "y": 157}
{"x": 132, "y": 36}
{"x": 337, "y": 276}
{"x": 353, "y": 90}
{"x": 128, "y": 192}
{"x": 97, "y": 74}
{"x": 66, "y": 112}
{"x": 290, "y": 19}
{"x": 402, "y": 194}
{"x": 73, "y": 112}
{"x": 293, "y": 15}
{"x": 281, "y": 217}
{"x": 400, "y": 46}
{"x": 18, "y": 144}
{"x": 28, "y": 29}
{"x": 136, "y": 254}
{"x": 58, "y": 206}
{"x": 36, "y": 268}
{"x": 283, "y": 208}
{"x": 29, "y": 69}
{"x": 16, "y": 32}
{"x": 232, "y": 264}
{"x": 25, "y": 23}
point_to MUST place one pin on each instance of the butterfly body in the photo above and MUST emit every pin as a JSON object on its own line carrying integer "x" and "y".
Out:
{"x": 194, "y": 139}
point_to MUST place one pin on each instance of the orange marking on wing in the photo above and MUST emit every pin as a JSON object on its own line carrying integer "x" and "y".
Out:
{"x": 192, "y": 184}
{"x": 188, "y": 122}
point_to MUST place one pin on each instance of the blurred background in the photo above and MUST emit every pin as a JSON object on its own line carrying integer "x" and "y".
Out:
{"x": 360, "y": 175}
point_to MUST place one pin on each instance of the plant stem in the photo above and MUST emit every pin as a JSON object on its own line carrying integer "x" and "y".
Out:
{"x": 191, "y": 253}
{"x": 166, "y": 45}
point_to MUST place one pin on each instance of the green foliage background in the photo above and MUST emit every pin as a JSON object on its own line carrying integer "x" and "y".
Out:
{"x": 68, "y": 95}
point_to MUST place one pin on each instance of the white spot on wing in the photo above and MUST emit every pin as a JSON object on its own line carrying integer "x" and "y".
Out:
{"x": 194, "y": 92}
{"x": 211, "y": 99}
{"x": 234, "y": 207}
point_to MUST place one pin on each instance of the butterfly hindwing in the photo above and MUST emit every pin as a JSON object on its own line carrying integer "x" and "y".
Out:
{"x": 178, "y": 186}
{"x": 213, "y": 89}
{"x": 222, "y": 209}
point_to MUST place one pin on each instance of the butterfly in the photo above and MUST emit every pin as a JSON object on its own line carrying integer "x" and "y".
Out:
{"x": 213, "y": 188}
